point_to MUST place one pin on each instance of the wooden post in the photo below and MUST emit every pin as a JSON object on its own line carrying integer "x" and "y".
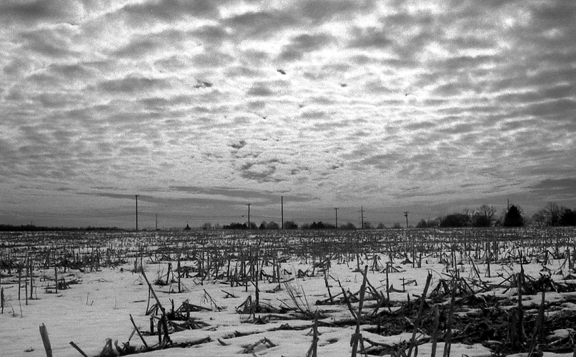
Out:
{"x": 46, "y": 340}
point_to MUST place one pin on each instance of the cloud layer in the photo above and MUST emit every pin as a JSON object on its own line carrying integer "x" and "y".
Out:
{"x": 208, "y": 106}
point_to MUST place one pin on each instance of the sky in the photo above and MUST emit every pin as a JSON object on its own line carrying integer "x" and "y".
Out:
{"x": 203, "y": 107}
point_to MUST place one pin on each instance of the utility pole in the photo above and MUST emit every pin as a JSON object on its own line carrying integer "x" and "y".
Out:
{"x": 249, "y": 226}
{"x": 156, "y": 221}
{"x": 362, "y": 216}
{"x": 406, "y": 215}
{"x": 137, "y": 211}
{"x": 336, "y": 209}
{"x": 282, "y": 211}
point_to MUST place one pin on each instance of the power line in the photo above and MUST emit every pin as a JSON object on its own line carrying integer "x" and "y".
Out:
{"x": 318, "y": 214}
{"x": 181, "y": 215}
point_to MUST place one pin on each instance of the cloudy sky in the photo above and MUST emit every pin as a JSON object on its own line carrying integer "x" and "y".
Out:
{"x": 201, "y": 107}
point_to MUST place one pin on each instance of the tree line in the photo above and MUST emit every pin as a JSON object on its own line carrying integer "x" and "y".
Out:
{"x": 287, "y": 225}
{"x": 34, "y": 228}
{"x": 483, "y": 216}
{"x": 553, "y": 215}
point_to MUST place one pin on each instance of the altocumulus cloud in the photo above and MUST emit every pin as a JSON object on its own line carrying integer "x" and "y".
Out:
{"x": 331, "y": 103}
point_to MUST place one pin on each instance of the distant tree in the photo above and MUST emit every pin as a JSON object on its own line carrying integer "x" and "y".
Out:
{"x": 554, "y": 213}
{"x": 513, "y": 217}
{"x": 549, "y": 216}
{"x": 207, "y": 226}
{"x": 380, "y": 226}
{"x": 539, "y": 219}
{"x": 433, "y": 222}
{"x": 32, "y": 227}
{"x": 481, "y": 221}
{"x": 262, "y": 225}
{"x": 455, "y": 220}
{"x": 367, "y": 225}
{"x": 235, "y": 225}
{"x": 469, "y": 215}
{"x": 568, "y": 218}
{"x": 290, "y": 225}
{"x": 484, "y": 216}
{"x": 428, "y": 223}
{"x": 349, "y": 226}
{"x": 499, "y": 218}
{"x": 396, "y": 225}
{"x": 422, "y": 224}
{"x": 319, "y": 225}
{"x": 272, "y": 225}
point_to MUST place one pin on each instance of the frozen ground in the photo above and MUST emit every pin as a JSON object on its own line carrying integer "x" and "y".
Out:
{"x": 99, "y": 305}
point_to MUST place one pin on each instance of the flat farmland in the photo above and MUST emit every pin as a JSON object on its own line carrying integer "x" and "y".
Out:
{"x": 468, "y": 292}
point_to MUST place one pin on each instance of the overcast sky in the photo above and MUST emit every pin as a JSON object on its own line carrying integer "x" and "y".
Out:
{"x": 201, "y": 107}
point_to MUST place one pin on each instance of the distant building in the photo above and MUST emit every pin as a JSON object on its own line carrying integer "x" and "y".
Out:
{"x": 187, "y": 227}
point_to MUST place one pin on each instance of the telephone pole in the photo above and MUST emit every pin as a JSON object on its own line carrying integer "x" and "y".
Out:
{"x": 282, "y": 211}
{"x": 406, "y": 215}
{"x": 336, "y": 209}
{"x": 362, "y": 216}
{"x": 137, "y": 211}
{"x": 249, "y": 226}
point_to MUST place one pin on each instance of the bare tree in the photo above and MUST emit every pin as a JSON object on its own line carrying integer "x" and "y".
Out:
{"x": 550, "y": 215}
{"x": 484, "y": 216}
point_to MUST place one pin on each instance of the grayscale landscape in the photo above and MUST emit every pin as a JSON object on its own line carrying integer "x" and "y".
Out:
{"x": 287, "y": 178}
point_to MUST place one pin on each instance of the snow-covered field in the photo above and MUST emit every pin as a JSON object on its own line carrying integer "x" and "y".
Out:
{"x": 97, "y": 305}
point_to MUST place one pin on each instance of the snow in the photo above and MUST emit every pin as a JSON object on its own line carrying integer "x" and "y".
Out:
{"x": 100, "y": 305}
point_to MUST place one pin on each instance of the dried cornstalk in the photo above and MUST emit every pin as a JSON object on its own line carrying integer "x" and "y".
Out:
{"x": 413, "y": 342}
